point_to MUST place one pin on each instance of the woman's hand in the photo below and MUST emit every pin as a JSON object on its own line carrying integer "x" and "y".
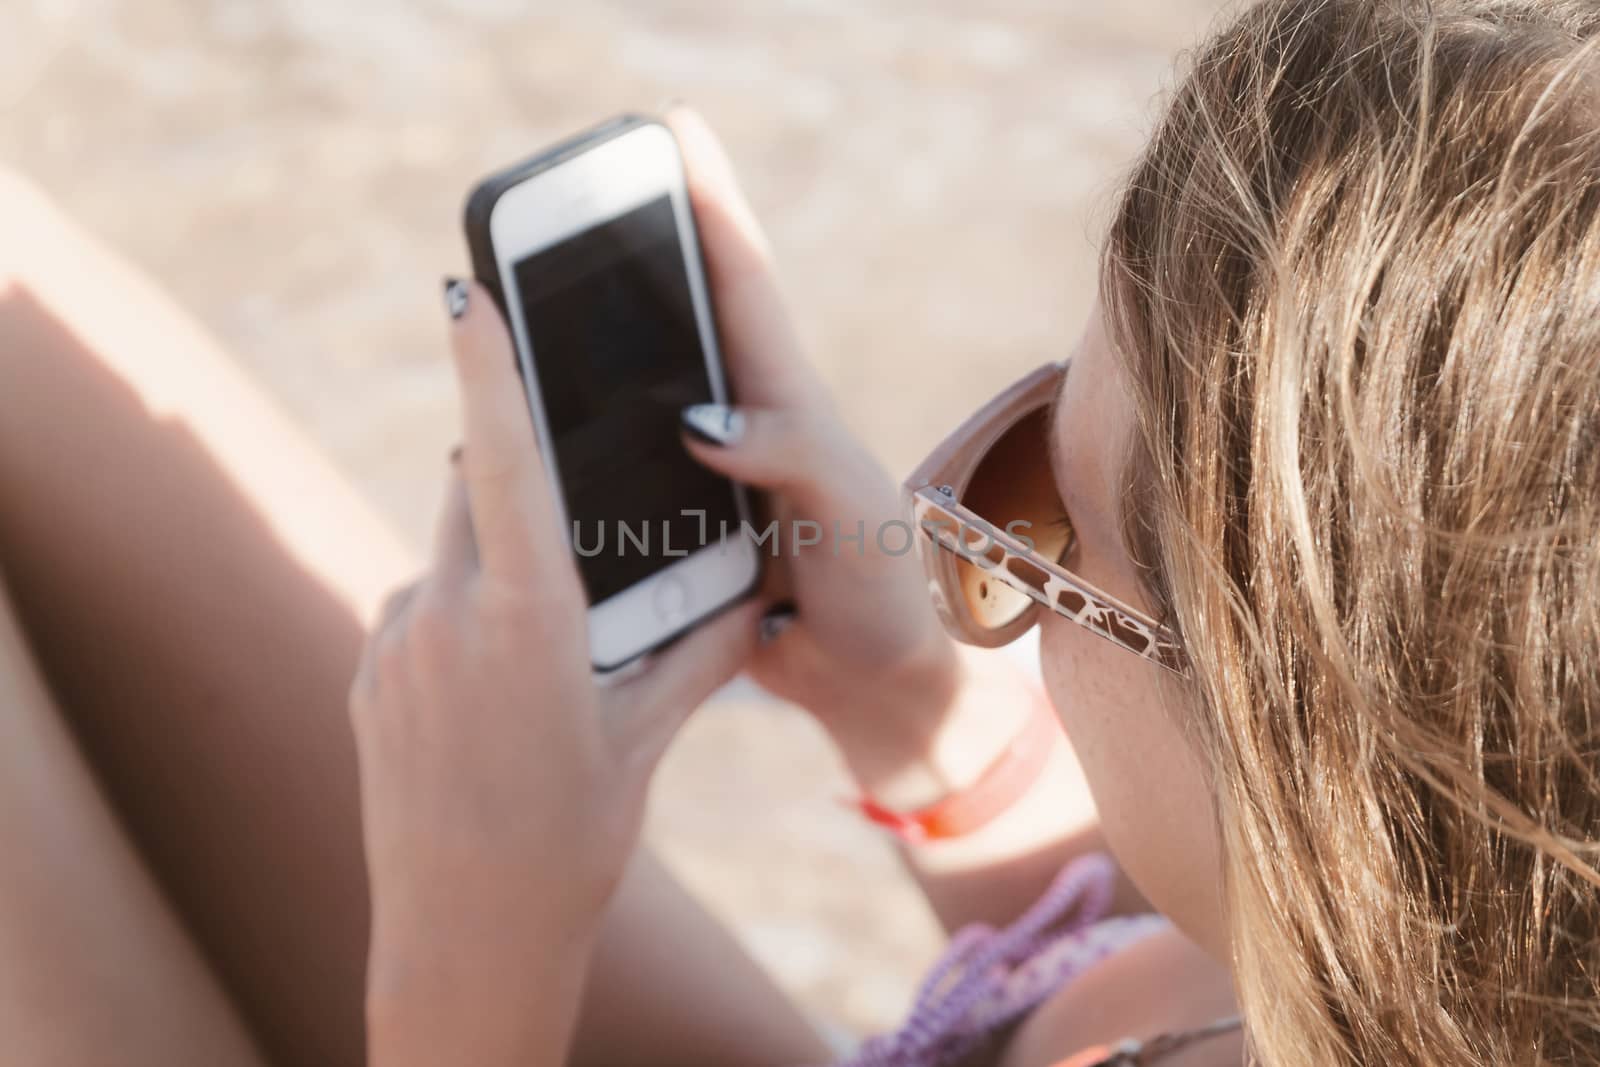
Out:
{"x": 502, "y": 791}
{"x": 865, "y": 638}
{"x": 914, "y": 717}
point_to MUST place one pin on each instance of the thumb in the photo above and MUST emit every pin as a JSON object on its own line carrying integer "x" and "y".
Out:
{"x": 649, "y": 710}
{"x": 775, "y": 450}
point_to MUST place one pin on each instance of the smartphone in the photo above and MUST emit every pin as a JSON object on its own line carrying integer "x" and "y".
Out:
{"x": 591, "y": 252}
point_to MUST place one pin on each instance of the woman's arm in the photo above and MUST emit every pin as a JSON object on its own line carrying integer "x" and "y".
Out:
{"x": 669, "y": 986}
{"x": 913, "y": 717}
{"x": 911, "y": 748}
{"x": 502, "y": 791}
{"x": 470, "y": 1000}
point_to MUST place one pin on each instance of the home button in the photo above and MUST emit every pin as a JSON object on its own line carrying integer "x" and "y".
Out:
{"x": 672, "y": 600}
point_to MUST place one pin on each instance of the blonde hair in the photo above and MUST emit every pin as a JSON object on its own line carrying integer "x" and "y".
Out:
{"x": 1355, "y": 281}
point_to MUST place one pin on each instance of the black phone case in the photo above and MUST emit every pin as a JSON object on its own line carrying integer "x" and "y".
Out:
{"x": 485, "y": 268}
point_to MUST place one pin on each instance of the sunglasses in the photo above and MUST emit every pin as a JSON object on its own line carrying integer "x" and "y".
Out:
{"x": 992, "y": 531}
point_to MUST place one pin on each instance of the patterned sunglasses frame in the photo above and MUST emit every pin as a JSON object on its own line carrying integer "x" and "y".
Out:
{"x": 946, "y": 531}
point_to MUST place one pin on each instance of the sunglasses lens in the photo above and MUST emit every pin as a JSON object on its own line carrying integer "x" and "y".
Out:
{"x": 987, "y": 597}
{"x": 1013, "y": 490}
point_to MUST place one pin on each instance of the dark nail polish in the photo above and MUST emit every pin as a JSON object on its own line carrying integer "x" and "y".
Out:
{"x": 715, "y": 424}
{"x": 455, "y": 456}
{"x": 776, "y": 620}
{"x": 455, "y": 296}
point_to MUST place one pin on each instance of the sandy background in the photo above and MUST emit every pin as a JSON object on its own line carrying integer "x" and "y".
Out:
{"x": 933, "y": 174}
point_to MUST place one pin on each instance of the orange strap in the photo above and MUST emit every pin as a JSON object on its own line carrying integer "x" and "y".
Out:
{"x": 1004, "y": 782}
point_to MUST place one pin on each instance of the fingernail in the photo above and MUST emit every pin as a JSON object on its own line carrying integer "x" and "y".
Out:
{"x": 455, "y": 296}
{"x": 775, "y": 621}
{"x": 455, "y": 456}
{"x": 715, "y": 424}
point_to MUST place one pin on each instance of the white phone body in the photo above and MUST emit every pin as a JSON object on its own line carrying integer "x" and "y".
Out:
{"x": 611, "y": 181}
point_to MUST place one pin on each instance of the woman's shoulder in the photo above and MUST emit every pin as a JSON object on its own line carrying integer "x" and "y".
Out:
{"x": 1161, "y": 983}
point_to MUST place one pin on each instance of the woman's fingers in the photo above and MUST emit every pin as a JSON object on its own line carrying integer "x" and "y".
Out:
{"x": 777, "y": 450}
{"x": 455, "y": 551}
{"x": 394, "y": 606}
{"x": 390, "y": 617}
{"x": 513, "y": 511}
{"x": 762, "y": 349}
{"x": 648, "y": 711}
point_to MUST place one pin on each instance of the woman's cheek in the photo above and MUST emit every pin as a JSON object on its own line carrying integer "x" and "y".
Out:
{"x": 1155, "y": 804}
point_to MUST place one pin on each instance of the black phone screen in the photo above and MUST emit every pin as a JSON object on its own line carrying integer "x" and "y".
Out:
{"x": 617, "y": 355}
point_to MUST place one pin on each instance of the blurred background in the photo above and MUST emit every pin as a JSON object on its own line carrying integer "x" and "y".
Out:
{"x": 934, "y": 176}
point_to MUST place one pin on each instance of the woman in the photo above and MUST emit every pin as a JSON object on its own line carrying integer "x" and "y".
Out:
{"x": 1329, "y": 439}
{"x": 1335, "y": 430}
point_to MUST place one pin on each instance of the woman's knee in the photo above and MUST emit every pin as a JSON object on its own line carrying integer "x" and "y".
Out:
{"x": 28, "y": 215}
